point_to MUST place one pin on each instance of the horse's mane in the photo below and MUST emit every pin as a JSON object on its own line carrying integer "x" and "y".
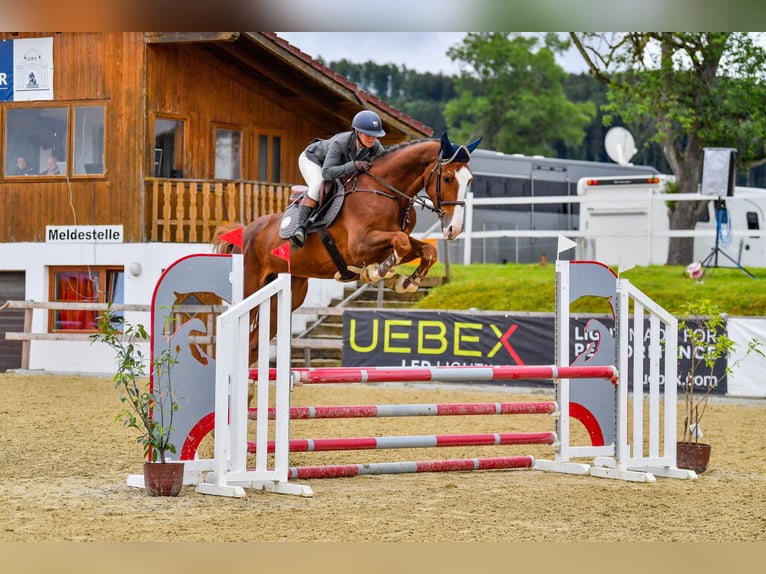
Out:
{"x": 397, "y": 147}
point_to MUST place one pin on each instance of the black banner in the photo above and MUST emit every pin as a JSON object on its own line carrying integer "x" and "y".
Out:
{"x": 386, "y": 338}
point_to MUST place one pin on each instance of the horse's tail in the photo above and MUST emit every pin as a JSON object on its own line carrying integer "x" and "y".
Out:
{"x": 221, "y": 245}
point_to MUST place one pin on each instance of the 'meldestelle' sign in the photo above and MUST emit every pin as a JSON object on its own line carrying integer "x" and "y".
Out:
{"x": 83, "y": 234}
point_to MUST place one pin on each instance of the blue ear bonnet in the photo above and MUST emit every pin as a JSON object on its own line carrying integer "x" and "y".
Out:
{"x": 452, "y": 152}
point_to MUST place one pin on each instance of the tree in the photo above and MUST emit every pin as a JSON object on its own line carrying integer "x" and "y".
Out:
{"x": 510, "y": 92}
{"x": 698, "y": 90}
{"x": 585, "y": 88}
{"x": 420, "y": 95}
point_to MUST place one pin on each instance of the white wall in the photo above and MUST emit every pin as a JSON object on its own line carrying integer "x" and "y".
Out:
{"x": 35, "y": 258}
{"x": 82, "y": 357}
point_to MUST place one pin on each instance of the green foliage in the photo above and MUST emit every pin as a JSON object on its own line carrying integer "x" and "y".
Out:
{"x": 511, "y": 92}
{"x": 140, "y": 398}
{"x": 697, "y": 319}
{"x": 420, "y": 95}
{"x": 736, "y": 104}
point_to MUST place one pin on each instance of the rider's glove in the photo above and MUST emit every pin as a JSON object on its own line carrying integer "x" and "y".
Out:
{"x": 362, "y": 165}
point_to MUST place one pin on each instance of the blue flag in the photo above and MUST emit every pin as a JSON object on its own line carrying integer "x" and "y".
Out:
{"x": 6, "y": 70}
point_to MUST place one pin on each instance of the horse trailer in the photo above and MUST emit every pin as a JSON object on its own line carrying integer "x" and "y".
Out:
{"x": 498, "y": 176}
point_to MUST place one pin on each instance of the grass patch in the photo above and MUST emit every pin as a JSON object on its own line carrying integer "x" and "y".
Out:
{"x": 531, "y": 288}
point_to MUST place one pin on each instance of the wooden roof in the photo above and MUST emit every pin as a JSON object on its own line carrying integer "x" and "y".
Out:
{"x": 283, "y": 71}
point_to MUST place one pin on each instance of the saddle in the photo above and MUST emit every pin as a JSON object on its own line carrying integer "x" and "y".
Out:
{"x": 330, "y": 201}
{"x": 331, "y": 198}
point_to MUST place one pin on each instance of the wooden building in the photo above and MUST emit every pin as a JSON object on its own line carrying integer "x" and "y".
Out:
{"x": 154, "y": 139}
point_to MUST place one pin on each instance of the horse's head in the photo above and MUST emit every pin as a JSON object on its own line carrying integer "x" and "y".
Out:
{"x": 449, "y": 182}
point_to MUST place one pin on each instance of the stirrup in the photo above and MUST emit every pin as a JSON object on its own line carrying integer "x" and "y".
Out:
{"x": 298, "y": 238}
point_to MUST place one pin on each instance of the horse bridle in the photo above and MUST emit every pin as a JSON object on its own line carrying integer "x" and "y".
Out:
{"x": 438, "y": 169}
{"x": 437, "y": 209}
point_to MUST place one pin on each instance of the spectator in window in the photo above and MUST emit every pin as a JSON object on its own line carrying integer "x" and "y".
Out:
{"x": 53, "y": 167}
{"x": 22, "y": 167}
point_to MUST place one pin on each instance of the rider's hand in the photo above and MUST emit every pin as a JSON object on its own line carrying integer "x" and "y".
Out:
{"x": 362, "y": 165}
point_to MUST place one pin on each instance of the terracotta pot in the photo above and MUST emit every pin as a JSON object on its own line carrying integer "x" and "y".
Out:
{"x": 163, "y": 479}
{"x": 693, "y": 456}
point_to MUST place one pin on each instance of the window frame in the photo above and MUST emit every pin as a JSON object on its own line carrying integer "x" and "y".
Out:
{"x": 218, "y": 126}
{"x": 68, "y": 159}
{"x": 255, "y": 165}
{"x": 179, "y": 157}
{"x": 104, "y": 293}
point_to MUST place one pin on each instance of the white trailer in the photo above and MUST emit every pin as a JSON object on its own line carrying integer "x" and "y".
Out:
{"x": 626, "y": 220}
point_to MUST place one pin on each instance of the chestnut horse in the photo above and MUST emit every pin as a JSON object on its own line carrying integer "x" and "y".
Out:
{"x": 372, "y": 229}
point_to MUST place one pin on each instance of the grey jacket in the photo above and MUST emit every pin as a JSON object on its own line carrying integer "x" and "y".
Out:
{"x": 338, "y": 154}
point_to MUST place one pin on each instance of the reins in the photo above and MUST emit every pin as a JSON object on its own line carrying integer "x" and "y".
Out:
{"x": 411, "y": 201}
{"x": 415, "y": 200}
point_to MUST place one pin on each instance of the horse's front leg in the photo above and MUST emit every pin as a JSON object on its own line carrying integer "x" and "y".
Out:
{"x": 428, "y": 255}
{"x": 405, "y": 248}
{"x": 377, "y": 242}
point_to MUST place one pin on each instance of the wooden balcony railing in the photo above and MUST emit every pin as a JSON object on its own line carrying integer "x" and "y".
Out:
{"x": 189, "y": 210}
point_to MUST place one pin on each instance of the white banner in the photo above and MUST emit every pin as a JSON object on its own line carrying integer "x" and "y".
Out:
{"x": 32, "y": 69}
{"x": 748, "y": 379}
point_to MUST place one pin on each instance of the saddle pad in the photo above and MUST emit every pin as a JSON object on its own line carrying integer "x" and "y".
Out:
{"x": 324, "y": 215}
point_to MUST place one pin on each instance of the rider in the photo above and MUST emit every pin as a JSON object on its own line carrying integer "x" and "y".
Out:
{"x": 341, "y": 155}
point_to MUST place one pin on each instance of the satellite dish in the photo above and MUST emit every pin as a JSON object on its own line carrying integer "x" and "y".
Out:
{"x": 619, "y": 144}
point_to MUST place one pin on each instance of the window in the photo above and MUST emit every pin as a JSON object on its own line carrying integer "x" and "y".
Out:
{"x": 37, "y": 140}
{"x": 168, "y": 147}
{"x": 89, "y": 140}
{"x": 83, "y": 284}
{"x": 35, "y": 136}
{"x": 269, "y": 158}
{"x": 228, "y": 154}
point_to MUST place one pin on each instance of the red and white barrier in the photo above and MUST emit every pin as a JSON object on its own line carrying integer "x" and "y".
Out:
{"x": 412, "y": 410}
{"x": 459, "y": 373}
{"x": 466, "y": 464}
{"x": 416, "y": 441}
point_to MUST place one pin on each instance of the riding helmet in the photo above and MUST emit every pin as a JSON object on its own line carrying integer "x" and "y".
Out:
{"x": 368, "y": 122}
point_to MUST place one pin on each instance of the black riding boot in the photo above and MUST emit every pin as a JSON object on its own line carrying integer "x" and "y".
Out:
{"x": 298, "y": 238}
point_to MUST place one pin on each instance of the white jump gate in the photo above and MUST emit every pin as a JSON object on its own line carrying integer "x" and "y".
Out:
{"x": 632, "y": 457}
{"x": 637, "y": 457}
{"x": 230, "y": 474}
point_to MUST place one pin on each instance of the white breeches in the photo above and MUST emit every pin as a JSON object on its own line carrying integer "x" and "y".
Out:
{"x": 312, "y": 175}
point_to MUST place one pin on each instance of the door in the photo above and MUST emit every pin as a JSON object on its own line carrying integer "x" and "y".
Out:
{"x": 12, "y": 288}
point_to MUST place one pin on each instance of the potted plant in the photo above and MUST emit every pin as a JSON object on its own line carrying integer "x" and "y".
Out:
{"x": 702, "y": 325}
{"x": 148, "y": 405}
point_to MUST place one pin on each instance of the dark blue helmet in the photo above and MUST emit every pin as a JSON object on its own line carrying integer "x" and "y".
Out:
{"x": 368, "y": 122}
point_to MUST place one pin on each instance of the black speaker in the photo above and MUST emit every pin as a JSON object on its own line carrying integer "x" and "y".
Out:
{"x": 718, "y": 171}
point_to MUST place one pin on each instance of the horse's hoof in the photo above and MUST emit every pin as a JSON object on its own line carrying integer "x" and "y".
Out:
{"x": 341, "y": 279}
{"x": 370, "y": 274}
{"x": 402, "y": 284}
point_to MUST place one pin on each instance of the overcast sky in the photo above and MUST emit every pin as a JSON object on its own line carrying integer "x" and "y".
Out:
{"x": 419, "y": 51}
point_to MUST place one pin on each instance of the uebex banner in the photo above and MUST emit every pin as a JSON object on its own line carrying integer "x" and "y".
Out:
{"x": 386, "y": 338}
